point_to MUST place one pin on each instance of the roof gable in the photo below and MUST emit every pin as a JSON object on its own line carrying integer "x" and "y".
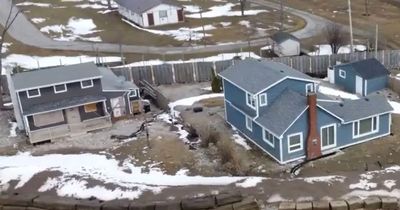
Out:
{"x": 55, "y": 75}
{"x": 280, "y": 37}
{"x": 255, "y": 76}
{"x": 141, "y": 6}
{"x": 368, "y": 69}
{"x": 110, "y": 81}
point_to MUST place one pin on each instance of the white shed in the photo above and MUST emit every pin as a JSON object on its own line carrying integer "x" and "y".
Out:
{"x": 285, "y": 44}
{"x": 146, "y": 13}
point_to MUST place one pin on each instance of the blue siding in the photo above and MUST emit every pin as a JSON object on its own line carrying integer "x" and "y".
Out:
{"x": 349, "y": 83}
{"x": 376, "y": 84}
{"x": 237, "y": 97}
{"x": 344, "y": 135}
{"x": 237, "y": 119}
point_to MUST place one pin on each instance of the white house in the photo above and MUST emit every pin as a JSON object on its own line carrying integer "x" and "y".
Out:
{"x": 285, "y": 44}
{"x": 146, "y": 13}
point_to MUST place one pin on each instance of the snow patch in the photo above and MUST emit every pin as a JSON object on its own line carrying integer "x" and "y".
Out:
{"x": 241, "y": 141}
{"x": 245, "y": 23}
{"x": 223, "y": 10}
{"x": 250, "y": 182}
{"x": 38, "y": 20}
{"x": 34, "y": 4}
{"x": 190, "y": 101}
{"x": 325, "y": 49}
{"x": 363, "y": 184}
{"x": 335, "y": 92}
{"x": 275, "y": 198}
{"x": 389, "y": 183}
{"x": 13, "y": 129}
{"x": 327, "y": 179}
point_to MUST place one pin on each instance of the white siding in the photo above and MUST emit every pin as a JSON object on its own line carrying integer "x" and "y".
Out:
{"x": 136, "y": 18}
{"x": 287, "y": 48}
{"x": 172, "y": 15}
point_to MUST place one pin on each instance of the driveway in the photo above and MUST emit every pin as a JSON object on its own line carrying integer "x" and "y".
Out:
{"x": 25, "y": 32}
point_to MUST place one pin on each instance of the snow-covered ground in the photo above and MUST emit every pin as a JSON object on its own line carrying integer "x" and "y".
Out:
{"x": 27, "y": 3}
{"x": 32, "y": 62}
{"x": 180, "y": 34}
{"x": 77, "y": 28}
{"x": 326, "y": 49}
{"x": 219, "y": 57}
{"x": 221, "y": 11}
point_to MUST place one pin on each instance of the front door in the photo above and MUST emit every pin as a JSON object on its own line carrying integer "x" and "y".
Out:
{"x": 359, "y": 85}
{"x": 180, "y": 15}
{"x": 118, "y": 106}
{"x": 150, "y": 19}
{"x": 73, "y": 118}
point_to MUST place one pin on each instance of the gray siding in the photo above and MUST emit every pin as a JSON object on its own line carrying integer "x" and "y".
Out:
{"x": 376, "y": 84}
{"x": 48, "y": 95}
{"x": 348, "y": 83}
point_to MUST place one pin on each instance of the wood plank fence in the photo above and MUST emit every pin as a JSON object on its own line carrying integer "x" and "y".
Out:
{"x": 201, "y": 71}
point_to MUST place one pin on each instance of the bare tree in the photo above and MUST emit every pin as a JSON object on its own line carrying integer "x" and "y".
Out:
{"x": 109, "y": 4}
{"x": 366, "y": 4}
{"x": 12, "y": 15}
{"x": 335, "y": 36}
{"x": 242, "y": 6}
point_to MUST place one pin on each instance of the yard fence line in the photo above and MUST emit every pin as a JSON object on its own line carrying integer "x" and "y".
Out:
{"x": 185, "y": 72}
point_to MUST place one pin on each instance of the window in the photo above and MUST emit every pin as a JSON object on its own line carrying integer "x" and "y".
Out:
{"x": 310, "y": 88}
{"x": 87, "y": 83}
{"x": 163, "y": 13}
{"x": 342, "y": 74}
{"x": 60, "y": 88}
{"x": 250, "y": 100}
{"x": 295, "y": 142}
{"x": 263, "y": 99}
{"x": 249, "y": 123}
{"x": 328, "y": 136}
{"x": 32, "y": 93}
{"x": 132, "y": 93}
{"x": 48, "y": 118}
{"x": 365, "y": 127}
{"x": 90, "y": 107}
{"x": 269, "y": 138}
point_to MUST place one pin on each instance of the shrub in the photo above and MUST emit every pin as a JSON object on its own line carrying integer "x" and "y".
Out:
{"x": 208, "y": 135}
{"x": 216, "y": 83}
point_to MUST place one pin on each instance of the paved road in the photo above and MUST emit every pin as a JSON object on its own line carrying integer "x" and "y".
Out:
{"x": 25, "y": 32}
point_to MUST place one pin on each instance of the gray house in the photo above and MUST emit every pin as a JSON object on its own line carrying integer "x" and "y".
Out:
{"x": 285, "y": 44}
{"x": 56, "y": 102}
{"x": 362, "y": 77}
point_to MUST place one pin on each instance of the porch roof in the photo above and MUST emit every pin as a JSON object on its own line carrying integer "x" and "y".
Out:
{"x": 62, "y": 104}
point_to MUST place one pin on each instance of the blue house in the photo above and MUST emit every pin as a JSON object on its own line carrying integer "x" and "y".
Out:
{"x": 361, "y": 77}
{"x": 280, "y": 110}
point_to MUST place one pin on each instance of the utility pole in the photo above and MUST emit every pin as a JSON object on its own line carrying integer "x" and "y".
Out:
{"x": 281, "y": 18}
{"x": 202, "y": 26}
{"x": 376, "y": 41}
{"x": 351, "y": 28}
{"x": 366, "y": 8}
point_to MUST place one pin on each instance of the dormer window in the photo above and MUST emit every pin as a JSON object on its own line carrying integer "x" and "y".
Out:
{"x": 310, "y": 88}
{"x": 60, "y": 88}
{"x": 86, "y": 84}
{"x": 33, "y": 93}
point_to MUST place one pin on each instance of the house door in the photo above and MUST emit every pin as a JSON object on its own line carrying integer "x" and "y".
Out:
{"x": 118, "y": 106}
{"x": 359, "y": 85}
{"x": 180, "y": 15}
{"x": 150, "y": 19}
{"x": 331, "y": 75}
{"x": 73, "y": 118}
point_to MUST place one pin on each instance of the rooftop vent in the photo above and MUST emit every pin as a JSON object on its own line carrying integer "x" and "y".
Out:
{"x": 281, "y": 71}
{"x": 366, "y": 99}
{"x": 341, "y": 105}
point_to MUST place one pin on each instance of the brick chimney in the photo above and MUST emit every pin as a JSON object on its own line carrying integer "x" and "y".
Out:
{"x": 313, "y": 143}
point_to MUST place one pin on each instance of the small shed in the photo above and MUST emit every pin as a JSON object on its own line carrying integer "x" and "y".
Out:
{"x": 285, "y": 44}
{"x": 361, "y": 77}
{"x": 147, "y": 13}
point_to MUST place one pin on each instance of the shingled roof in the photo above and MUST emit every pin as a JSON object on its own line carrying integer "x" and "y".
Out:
{"x": 368, "y": 69}
{"x": 280, "y": 37}
{"x": 141, "y": 6}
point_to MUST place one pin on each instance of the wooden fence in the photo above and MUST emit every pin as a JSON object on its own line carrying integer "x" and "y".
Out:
{"x": 201, "y": 71}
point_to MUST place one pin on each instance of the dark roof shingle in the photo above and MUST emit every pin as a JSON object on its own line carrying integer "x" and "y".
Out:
{"x": 140, "y": 6}
{"x": 368, "y": 69}
{"x": 280, "y": 37}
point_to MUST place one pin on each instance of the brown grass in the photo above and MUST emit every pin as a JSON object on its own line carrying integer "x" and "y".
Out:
{"x": 212, "y": 102}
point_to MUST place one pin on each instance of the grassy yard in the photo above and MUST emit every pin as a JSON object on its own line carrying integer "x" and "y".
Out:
{"x": 385, "y": 13}
{"x": 112, "y": 29}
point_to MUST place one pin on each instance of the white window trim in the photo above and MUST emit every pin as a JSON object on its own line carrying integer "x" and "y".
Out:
{"x": 249, "y": 126}
{"x": 132, "y": 91}
{"x": 91, "y": 85}
{"x": 268, "y": 141}
{"x": 334, "y": 139}
{"x": 308, "y": 87}
{"x": 166, "y": 13}
{"x": 369, "y": 133}
{"x": 62, "y": 91}
{"x": 342, "y": 73}
{"x": 34, "y": 96}
{"x": 247, "y": 100}
{"x": 301, "y": 142}
{"x": 266, "y": 99}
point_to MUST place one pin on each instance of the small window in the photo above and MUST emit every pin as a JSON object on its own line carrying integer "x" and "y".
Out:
{"x": 263, "y": 99}
{"x": 295, "y": 142}
{"x": 90, "y": 107}
{"x": 249, "y": 123}
{"x": 132, "y": 94}
{"x": 87, "y": 83}
{"x": 342, "y": 74}
{"x": 60, "y": 88}
{"x": 250, "y": 100}
{"x": 269, "y": 138}
{"x": 32, "y": 93}
{"x": 163, "y": 13}
{"x": 310, "y": 88}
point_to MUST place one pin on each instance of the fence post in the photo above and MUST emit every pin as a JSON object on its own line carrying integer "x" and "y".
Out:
{"x": 215, "y": 67}
{"x": 130, "y": 73}
{"x": 173, "y": 73}
{"x": 291, "y": 62}
{"x": 383, "y": 57}
{"x": 152, "y": 75}
{"x": 310, "y": 64}
{"x": 194, "y": 72}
